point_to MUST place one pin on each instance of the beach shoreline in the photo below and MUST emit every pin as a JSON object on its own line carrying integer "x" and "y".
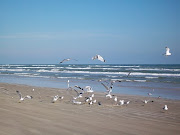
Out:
{"x": 40, "y": 116}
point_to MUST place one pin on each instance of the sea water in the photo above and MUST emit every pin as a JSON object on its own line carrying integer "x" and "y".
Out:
{"x": 160, "y": 80}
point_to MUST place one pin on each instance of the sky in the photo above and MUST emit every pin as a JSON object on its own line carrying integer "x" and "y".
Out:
{"x": 122, "y": 31}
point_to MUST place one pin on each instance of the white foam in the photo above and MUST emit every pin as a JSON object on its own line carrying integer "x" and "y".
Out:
{"x": 66, "y": 77}
{"x": 152, "y": 69}
{"x": 18, "y": 70}
{"x": 140, "y": 80}
{"x": 110, "y": 73}
{"x": 154, "y": 74}
{"x": 125, "y": 66}
{"x": 150, "y": 77}
{"x": 44, "y": 65}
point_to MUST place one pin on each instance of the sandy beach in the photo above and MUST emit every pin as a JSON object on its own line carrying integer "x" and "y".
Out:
{"x": 39, "y": 116}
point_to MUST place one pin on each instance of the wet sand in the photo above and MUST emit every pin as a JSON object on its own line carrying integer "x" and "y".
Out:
{"x": 39, "y": 116}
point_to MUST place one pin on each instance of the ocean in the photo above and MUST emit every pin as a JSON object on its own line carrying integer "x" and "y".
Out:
{"x": 160, "y": 80}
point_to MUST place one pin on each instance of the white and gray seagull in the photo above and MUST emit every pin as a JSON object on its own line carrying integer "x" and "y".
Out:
{"x": 68, "y": 59}
{"x": 22, "y": 98}
{"x": 79, "y": 95}
{"x": 99, "y": 57}
{"x": 165, "y": 107}
{"x": 109, "y": 89}
{"x": 89, "y": 89}
{"x": 55, "y": 98}
{"x": 167, "y": 52}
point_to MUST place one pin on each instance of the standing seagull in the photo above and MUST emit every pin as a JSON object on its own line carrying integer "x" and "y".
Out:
{"x": 165, "y": 107}
{"x": 89, "y": 89}
{"x": 66, "y": 60}
{"x": 55, "y": 98}
{"x": 98, "y": 57}
{"x": 22, "y": 98}
{"x": 167, "y": 52}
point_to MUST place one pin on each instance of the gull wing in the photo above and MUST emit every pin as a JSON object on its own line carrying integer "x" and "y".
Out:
{"x": 78, "y": 87}
{"x": 77, "y": 92}
{"x": 29, "y": 97}
{"x": 95, "y": 57}
{"x": 19, "y": 93}
{"x": 105, "y": 86}
{"x": 101, "y": 58}
{"x": 64, "y": 60}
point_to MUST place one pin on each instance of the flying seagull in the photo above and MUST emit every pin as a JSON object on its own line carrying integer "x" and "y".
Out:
{"x": 167, "y": 52}
{"x": 78, "y": 87}
{"x": 66, "y": 60}
{"x": 79, "y": 95}
{"x": 128, "y": 74}
{"x": 22, "y": 98}
{"x": 98, "y": 57}
{"x": 109, "y": 89}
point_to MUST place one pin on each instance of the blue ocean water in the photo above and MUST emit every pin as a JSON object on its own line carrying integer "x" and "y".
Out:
{"x": 161, "y": 80}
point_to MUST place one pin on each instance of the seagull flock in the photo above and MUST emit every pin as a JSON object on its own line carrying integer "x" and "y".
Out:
{"x": 100, "y": 58}
{"x": 82, "y": 92}
{"x": 88, "y": 89}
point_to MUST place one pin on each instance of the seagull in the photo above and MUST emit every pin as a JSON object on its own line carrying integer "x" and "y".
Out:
{"x": 61, "y": 97}
{"x": 167, "y": 52}
{"x": 68, "y": 83}
{"x": 66, "y": 60}
{"x": 94, "y": 101}
{"x": 78, "y": 87}
{"x": 109, "y": 89}
{"x": 90, "y": 103}
{"x": 128, "y": 74}
{"x": 146, "y": 101}
{"x": 109, "y": 95}
{"x": 22, "y": 98}
{"x": 87, "y": 100}
{"x": 150, "y": 94}
{"x": 90, "y": 98}
{"x": 121, "y": 102}
{"x": 165, "y": 107}
{"x": 79, "y": 95}
{"x": 89, "y": 89}
{"x": 127, "y": 102}
{"x": 115, "y": 98}
{"x": 55, "y": 98}
{"x": 98, "y": 57}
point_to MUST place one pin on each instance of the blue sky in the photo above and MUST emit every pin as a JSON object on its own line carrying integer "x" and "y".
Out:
{"x": 122, "y": 31}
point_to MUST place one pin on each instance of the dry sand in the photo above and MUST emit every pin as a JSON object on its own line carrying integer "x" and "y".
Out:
{"x": 39, "y": 116}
